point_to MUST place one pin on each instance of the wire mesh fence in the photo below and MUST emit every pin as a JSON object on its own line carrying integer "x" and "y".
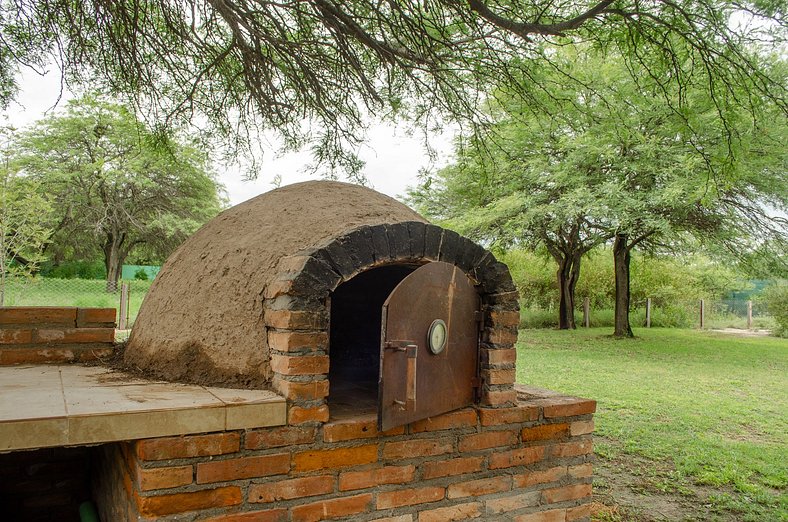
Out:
{"x": 719, "y": 313}
{"x": 655, "y": 312}
{"x": 45, "y": 291}
{"x": 703, "y": 313}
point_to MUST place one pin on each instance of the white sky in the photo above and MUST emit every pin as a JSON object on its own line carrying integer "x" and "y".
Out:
{"x": 393, "y": 159}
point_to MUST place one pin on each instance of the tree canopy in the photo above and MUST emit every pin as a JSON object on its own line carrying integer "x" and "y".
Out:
{"x": 115, "y": 186}
{"x": 314, "y": 69}
{"x": 601, "y": 158}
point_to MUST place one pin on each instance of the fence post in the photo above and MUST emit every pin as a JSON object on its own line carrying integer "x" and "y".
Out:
{"x": 749, "y": 315}
{"x": 123, "y": 319}
{"x": 702, "y": 313}
{"x": 648, "y": 312}
{"x": 587, "y": 312}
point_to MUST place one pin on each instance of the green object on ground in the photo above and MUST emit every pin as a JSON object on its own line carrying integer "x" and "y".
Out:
{"x": 131, "y": 272}
{"x": 87, "y": 512}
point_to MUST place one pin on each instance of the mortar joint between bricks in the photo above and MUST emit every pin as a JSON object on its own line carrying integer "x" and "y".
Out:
{"x": 316, "y": 377}
{"x": 498, "y": 387}
{"x": 300, "y": 352}
{"x": 308, "y": 403}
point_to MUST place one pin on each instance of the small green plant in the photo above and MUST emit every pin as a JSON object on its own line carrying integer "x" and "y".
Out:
{"x": 538, "y": 318}
{"x": 141, "y": 275}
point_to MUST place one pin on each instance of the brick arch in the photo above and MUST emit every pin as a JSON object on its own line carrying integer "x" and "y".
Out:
{"x": 296, "y": 314}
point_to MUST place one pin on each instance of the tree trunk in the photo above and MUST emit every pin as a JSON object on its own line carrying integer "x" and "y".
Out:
{"x": 574, "y": 277}
{"x": 113, "y": 260}
{"x": 621, "y": 259}
{"x": 568, "y": 274}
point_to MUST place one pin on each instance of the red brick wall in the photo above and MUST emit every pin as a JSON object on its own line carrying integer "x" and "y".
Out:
{"x": 34, "y": 335}
{"x": 531, "y": 462}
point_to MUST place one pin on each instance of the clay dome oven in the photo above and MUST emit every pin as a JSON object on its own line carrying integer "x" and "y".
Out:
{"x": 325, "y": 282}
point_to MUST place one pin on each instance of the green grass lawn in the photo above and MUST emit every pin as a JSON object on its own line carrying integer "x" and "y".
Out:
{"x": 713, "y": 406}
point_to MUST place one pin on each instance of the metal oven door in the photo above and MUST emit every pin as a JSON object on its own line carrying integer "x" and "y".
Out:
{"x": 429, "y": 346}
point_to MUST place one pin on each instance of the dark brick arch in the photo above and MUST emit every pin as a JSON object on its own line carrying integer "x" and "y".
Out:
{"x": 296, "y": 307}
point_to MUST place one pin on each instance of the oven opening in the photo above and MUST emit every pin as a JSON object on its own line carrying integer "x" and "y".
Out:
{"x": 354, "y": 339}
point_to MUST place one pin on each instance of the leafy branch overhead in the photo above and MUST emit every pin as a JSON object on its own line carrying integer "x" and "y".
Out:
{"x": 314, "y": 69}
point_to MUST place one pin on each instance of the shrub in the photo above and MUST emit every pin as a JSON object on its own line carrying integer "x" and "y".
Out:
{"x": 776, "y": 298}
{"x": 75, "y": 270}
{"x": 671, "y": 316}
{"x": 665, "y": 279}
{"x": 534, "y": 277}
{"x": 141, "y": 274}
{"x": 538, "y": 318}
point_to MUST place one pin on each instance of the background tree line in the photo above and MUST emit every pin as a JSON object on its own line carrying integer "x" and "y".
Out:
{"x": 95, "y": 183}
{"x": 606, "y": 158}
{"x": 675, "y": 283}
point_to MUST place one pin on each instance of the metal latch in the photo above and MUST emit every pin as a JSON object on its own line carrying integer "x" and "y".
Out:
{"x": 400, "y": 346}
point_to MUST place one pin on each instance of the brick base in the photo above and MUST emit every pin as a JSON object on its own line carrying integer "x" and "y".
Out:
{"x": 531, "y": 462}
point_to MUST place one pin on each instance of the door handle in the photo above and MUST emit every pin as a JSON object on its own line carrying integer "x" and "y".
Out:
{"x": 410, "y": 349}
{"x": 410, "y": 386}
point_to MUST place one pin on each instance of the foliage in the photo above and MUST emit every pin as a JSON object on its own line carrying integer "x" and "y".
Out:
{"x": 712, "y": 405}
{"x": 776, "y": 298}
{"x": 22, "y": 234}
{"x": 534, "y": 278}
{"x": 598, "y": 158}
{"x": 141, "y": 275}
{"x": 666, "y": 279}
{"x": 74, "y": 270}
{"x": 313, "y": 69}
{"x": 765, "y": 262}
{"x": 116, "y": 186}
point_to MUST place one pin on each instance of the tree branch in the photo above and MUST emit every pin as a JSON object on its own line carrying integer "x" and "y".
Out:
{"x": 525, "y": 30}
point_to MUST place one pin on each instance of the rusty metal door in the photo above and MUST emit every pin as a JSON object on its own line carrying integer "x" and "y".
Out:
{"x": 415, "y": 381}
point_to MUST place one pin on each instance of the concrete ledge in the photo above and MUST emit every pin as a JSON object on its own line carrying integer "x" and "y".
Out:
{"x": 46, "y": 406}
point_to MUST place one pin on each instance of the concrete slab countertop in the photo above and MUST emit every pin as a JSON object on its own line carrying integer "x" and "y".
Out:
{"x": 47, "y": 405}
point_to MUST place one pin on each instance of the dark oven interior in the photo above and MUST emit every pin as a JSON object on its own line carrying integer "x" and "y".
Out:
{"x": 354, "y": 338}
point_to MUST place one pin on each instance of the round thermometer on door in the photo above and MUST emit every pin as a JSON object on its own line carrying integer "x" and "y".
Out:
{"x": 437, "y": 336}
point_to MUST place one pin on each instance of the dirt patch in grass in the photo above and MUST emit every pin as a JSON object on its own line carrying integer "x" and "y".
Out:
{"x": 631, "y": 488}
{"x": 742, "y": 332}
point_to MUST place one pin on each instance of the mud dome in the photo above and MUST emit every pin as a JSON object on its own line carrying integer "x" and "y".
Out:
{"x": 202, "y": 320}
{"x": 253, "y": 287}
